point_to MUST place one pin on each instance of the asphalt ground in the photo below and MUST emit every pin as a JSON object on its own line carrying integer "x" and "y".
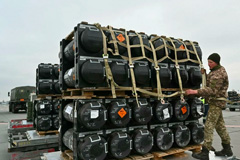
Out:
{"x": 232, "y": 121}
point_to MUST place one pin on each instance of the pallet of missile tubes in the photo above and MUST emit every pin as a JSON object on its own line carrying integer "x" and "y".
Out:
{"x": 105, "y": 75}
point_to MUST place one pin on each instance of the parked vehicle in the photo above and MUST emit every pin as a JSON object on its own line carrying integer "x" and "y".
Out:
{"x": 19, "y": 97}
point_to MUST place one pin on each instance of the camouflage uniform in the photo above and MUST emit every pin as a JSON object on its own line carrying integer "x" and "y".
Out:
{"x": 217, "y": 85}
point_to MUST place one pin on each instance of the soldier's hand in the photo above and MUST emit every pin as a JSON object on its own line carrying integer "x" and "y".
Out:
{"x": 203, "y": 71}
{"x": 191, "y": 91}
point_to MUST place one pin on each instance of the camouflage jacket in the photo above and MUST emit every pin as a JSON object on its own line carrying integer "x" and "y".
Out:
{"x": 217, "y": 85}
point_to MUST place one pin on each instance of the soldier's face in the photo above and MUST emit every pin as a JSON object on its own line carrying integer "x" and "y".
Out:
{"x": 211, "y": 64}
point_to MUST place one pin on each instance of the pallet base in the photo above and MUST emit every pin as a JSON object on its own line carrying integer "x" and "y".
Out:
{"x": 67, "y": 155}
{"x": 177, "y": 152}
{"x": 43, "y": 133}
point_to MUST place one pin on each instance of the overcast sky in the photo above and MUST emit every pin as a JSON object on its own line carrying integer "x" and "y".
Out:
{"x": 30, "y": 30}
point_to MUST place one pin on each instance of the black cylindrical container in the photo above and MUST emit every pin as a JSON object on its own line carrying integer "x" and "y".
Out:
{"x": 45, "y": 71}
{"x": 92, "y": 72}
{"x": 163, "y": 138}
{"x": 142, "y": 73}
{"x": 119, "y": 113}
{"x": 91, "y": 40}
{"x": 197, "y": 132}
{"x": 195, "y": 76}
{"x": 120, "y": 72}
{"x": 183, "y": 75}
{"x": 56, "y": 106}
{"x": 142, "y": 114}
{"x": 181, "y": 54}
{"x": 181, "y": 110}
{"x": 92, "y": 115}
{"x": 45, "y": 86}
{"x": 68, "y": 138}
{"x": 196, "y": 108}
{"x": 165, "y": 76}
{"x": 182, "y": 135}
{"x": 142, "y": 141}
{"x": 43, "y": 107}
{"x": 55, "y": 71}
{"x": 69, "y": 51}
{"x": 120, "y": 37}
{"x": 68, "y": 112}
{"x": 161, "y": 53}
{"x": 69, "y": 77}
{"x": 56, "y": 85}
{"x": 55, "y": 123}
{"x": 44, "y": 123}
{"x": 162, "y": 111}
{"x": 119, "y": 144}
{"x": 137, "y": 51}
{"x": 92, "y": 147}
{"x": 198, "y": 49}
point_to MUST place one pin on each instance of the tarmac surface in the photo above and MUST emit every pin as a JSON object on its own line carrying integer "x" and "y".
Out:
{"x": 232, "y": 121}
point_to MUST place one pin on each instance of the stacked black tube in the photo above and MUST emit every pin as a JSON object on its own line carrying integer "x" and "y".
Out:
{"x": 46, "y": 114}
{"x": 118, "y": 127}
{"x": 46, "y": 107}
{"x": 47, "y": 79}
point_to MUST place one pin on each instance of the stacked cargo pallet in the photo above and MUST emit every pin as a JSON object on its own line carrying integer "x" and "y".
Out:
{"x": 46, "y": 106}
{"x": 123, "y": 93}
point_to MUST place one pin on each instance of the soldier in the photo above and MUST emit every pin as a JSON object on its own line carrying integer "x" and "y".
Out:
{"x": 215, "y": 94}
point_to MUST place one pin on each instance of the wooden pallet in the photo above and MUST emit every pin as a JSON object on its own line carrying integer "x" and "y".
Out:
{"x": 67, "y": 155}
{"x": 89, "y": 93}
{"x": 41, "y": 96}
{"x": 41, "y": 133}
{"x": 147, "y": 156}
{"x": 177, "y": 152}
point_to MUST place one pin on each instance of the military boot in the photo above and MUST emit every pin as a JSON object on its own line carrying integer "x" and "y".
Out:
{"x": 226, "y": 151}
{"x": 203, "y": 155}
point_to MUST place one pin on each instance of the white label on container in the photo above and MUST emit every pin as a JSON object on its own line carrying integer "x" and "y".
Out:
{"x": 166, "y": 113}
{"x": 199, "y": 107}
{"x": 70, "y": 72}
{"x": 69, "y": 110}
{"x": 42, "y": 106}
{"x": 94, "y": 114}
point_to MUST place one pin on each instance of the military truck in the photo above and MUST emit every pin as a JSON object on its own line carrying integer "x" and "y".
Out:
{"x": 19, "y": 97}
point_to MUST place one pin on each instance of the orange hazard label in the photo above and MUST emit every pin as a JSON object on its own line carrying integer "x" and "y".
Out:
{"x": 182, "y": 47}
{"x": 184, "y": 109}
{"x": 121, "y": 38}
{"x": 122, "y": 112}
{"x": 21, "y": 100}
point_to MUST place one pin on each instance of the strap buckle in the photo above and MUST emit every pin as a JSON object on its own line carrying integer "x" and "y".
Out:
{"x": 105, "y": 56}
{"x": 157, "y": 68}
{"x": 131, "y": 65}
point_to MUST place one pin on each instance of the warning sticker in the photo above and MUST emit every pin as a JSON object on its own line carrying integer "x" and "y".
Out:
{"x": 122, "y": 112}
{"x": 184, "y": 109}
{"x": 182, "y": 47}
{"x": 121, "y": 38}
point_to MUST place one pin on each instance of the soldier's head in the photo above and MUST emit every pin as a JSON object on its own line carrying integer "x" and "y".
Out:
{"x": 213, "y": 60}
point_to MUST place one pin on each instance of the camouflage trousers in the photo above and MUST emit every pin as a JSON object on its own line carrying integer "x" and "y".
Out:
{"x": 215, "y": 121}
